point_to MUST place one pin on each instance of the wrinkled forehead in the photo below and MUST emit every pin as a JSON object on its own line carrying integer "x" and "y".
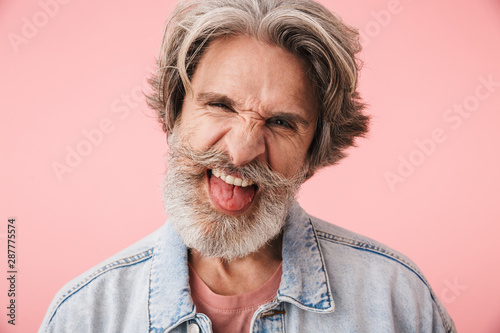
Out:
{"x": 255, "y": 75}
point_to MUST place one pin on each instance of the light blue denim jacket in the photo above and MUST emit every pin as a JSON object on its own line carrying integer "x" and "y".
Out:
{"x": 333, "y": 281}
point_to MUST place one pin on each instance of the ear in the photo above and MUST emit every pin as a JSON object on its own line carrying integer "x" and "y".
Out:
{"x": 168, "y": 135}
{"x": 308, "y": 166}
{"x": 310, "y": 173}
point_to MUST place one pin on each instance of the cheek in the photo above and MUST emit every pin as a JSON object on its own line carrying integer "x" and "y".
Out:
{"x": 202, "y": 132}
{"x": 287, "y": 156}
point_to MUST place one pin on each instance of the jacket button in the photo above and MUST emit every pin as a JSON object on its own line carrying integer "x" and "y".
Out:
{"x": 193, "y": 328}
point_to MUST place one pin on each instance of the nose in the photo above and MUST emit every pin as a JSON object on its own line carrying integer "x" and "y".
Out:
{"x": 246, "y": 142}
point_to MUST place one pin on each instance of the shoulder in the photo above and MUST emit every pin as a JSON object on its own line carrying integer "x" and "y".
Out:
{"x": 333, "y": 236}
{"x": 114, "y": 280}
{"x": 361, "y": 257}
{"x": 364, "y": 271}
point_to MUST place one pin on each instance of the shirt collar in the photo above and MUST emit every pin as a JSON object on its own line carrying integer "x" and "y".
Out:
{"x": 304, "y": 282}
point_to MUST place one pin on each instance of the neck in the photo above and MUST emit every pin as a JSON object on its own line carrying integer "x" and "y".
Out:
{"x": 241, "y": 275}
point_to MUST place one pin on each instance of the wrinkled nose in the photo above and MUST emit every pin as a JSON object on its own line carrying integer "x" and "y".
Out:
{"x": 246, "y": 142}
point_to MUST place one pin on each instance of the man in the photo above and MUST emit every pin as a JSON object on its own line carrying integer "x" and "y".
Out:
{"x": 255, "y": 96}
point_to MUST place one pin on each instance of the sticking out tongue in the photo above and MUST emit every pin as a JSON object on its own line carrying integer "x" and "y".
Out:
{"x": 230, "y": 197}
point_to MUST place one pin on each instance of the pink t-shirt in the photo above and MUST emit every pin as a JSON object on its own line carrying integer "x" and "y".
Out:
{"x": 231, "y": 313}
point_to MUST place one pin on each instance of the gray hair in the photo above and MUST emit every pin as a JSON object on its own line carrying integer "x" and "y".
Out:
{"x": 302, "y": 27}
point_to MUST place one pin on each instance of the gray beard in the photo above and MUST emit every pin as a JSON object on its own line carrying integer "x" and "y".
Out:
{"x": 213, "y": 233}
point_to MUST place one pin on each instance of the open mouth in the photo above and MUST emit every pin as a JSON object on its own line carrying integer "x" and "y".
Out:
{"x": 229, "y": 192}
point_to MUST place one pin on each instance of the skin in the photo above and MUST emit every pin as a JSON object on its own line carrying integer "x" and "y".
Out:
{"x": 254, "y": 101}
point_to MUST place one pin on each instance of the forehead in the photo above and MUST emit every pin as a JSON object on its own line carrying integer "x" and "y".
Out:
{"x": 256, "y": 75}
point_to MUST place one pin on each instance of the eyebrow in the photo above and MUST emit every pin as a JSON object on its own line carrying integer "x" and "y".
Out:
{"x": 206, "y": 97}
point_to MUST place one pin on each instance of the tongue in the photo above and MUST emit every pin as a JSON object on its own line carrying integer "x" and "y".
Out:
{"x": 230, "y": 197}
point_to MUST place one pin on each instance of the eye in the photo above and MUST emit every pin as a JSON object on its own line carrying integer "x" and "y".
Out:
{"x": 280, "y": 122}
{"x": 219, "y": 105}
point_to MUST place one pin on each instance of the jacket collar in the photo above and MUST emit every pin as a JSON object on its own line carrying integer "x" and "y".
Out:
{"x": 304, "y": 282}
{"x": 170, "y": 301}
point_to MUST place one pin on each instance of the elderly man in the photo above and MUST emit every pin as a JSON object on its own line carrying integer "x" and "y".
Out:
{"x": 255, "y": 96}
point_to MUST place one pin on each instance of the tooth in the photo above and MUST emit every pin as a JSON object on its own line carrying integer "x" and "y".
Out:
{"x": 230, "y": 180}
{"x": 238, "y": 181}
{"x": 244, "y": 183}
{"x": 216, "y": 172}
{"x": 250, "y": 182}
{"x": 223, "y": 177}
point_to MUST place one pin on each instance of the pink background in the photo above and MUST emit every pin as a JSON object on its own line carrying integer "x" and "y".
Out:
{"x": 83, "y": 68}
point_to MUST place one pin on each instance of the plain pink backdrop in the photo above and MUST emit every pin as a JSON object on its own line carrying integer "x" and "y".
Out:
{"x": 81, "y": 67}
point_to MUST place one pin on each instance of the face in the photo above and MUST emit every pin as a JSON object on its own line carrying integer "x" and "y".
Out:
{"x": 239, "y": 148}
{"x": 254, "y": 101}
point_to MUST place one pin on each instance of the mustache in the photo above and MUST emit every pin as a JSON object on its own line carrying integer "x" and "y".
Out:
{"x": 197, "y": 162}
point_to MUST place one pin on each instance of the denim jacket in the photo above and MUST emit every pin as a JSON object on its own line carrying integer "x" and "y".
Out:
{"x": 333, "y": 281}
